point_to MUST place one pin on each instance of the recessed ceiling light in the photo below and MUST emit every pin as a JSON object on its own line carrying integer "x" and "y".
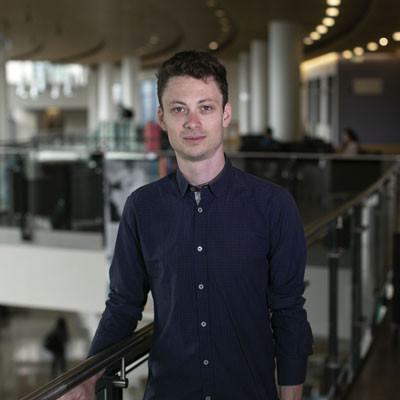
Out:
{"x": 328, "y": 21}
{"x": 347, "y": 54}
{"x": 332, "y": 12}
{"x": 315, "y": 35}
{"x": 322, "y": 29}
{"x": 396, "y": 36}
{"x": 372, "y": 46}
{"x": 383, "y": 41}
{"x": 154, "y": 39}
{"x": 211, "y": 3}
{"x": 213, "y": 45}
{"x": 308, "y": 41}
{"x": 333, "y": 3}
{"x": 358, "y": 51}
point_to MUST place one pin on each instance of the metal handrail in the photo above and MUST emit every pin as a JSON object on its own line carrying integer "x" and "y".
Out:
{"x": 313, "y": 156}
{"x": 132, "y": 349}
{"x": 321, "y": 224}
{"x": 139, "y": 344}
{"x": 268, "y": 155}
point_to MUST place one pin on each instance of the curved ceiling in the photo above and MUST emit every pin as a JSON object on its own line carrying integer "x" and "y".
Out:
{"x": 90, "y": 31}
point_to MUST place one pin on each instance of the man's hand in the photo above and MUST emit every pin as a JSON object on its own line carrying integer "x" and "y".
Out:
{"x": 85, "y": 391}
{"x": 290, "y": 392}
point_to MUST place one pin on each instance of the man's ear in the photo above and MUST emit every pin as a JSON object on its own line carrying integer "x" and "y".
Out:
{"x": 227, "y": 116}
{"x": 160, "y": 118}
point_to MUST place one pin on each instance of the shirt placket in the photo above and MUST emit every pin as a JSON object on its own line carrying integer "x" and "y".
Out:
{"x": 202, "y": 290}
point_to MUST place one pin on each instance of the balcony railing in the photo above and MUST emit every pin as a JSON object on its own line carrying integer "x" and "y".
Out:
{"x": 352, "y": 247}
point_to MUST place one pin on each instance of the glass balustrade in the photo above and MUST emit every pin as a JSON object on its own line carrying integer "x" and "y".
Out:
{"x": 349, "y": 226}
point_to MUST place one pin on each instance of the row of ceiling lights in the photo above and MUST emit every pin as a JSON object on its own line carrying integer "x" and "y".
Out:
{"x": 225, "y": 24}
{"x": 327, "y": 22}
{"x": 371, "y": 46}
{"x": 333, "y": 11}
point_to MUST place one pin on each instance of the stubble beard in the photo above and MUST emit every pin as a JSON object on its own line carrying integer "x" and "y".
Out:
{"x": 204, "y": 155}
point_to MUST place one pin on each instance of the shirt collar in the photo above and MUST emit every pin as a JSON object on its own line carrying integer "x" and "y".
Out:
{"x": 218, "y": 187}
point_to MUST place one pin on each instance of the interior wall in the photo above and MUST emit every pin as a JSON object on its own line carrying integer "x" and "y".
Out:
{"x": 369, "y": 98}
{"x": 24, "y": 123}
{"x": 232, "y": 77}
{"x": 317, "y": 301}
{"x": 53, "y": 278}
{"x": 75, "y": 121}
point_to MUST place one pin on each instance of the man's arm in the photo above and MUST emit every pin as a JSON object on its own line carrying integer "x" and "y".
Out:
{"x": 128, "y": 294}
{"x": 128, "y": 285}
{"x": 290, "y": 392}
{"x": 287, "y": 259}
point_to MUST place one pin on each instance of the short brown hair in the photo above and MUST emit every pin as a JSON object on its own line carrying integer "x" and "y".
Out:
{"x": 196, "y": 64}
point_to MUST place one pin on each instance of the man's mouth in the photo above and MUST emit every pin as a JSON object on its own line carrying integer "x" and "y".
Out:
{"x": 194, "y": 139}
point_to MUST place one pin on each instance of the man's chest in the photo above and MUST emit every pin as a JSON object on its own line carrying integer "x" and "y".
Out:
{"x": 229, "y": 238}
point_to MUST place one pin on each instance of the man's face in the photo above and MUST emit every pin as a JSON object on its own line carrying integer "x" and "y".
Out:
{"x": 192, "y": 115}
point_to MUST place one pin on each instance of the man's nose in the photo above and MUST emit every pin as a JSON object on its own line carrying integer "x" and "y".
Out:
{"x": 192, "y": 121}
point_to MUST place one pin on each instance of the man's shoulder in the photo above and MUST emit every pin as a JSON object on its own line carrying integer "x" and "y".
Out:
{"x": 152, "y": 191}
{"x": 256, "y": 184}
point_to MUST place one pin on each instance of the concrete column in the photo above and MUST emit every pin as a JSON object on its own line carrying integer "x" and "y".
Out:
{"x": 130, "y": 68}
{"x": 285, "y": 55}
{"x": 92, "y": 106}
{"x": 258, "y": 87}
{"x": 244, "y": 94}
{"x": 106, "y": 108}
{"x": 4, "y": 115}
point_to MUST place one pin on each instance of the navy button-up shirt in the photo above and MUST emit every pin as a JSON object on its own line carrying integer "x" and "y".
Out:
{"x": 226, "y": 277}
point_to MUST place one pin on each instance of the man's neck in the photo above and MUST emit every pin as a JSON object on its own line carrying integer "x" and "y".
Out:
{"x": 201, "y": 172}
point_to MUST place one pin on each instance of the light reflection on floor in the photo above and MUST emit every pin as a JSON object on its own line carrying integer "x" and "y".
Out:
{"x": 25, "y": 363}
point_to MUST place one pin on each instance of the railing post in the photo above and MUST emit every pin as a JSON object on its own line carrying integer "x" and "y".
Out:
{"x": 396, "y": 259}
{"x": 332, "y": 364}
{"x": 356, "y": 285}
{"x": 106, "y": 390}
{"x": 110, "y": 387}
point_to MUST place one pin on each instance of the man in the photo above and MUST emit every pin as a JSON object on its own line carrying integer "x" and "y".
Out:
{"x": 223, "y": 254}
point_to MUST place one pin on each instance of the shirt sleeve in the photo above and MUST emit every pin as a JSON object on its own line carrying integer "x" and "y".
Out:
{"x": 128, "y": 285}
{"x": 287, "y": 259}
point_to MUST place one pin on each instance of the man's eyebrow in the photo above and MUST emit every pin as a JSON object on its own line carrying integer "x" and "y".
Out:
{"x": 208, "y": 99}
{"x": 176, "y": 102}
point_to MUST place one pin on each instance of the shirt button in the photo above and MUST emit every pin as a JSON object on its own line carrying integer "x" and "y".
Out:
{"x": 203, "y": 324}
{"x": 199, "y": 248}
{"x": 201, "y": 286}
{"x": 205, "y": 362}
{"x": 200, "y": 210}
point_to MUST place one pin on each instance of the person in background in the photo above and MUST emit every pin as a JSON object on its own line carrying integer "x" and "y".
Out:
{"x": 55, "y": 342}
{"x": 350, "y": 142}
{"x": 268, "y": 142}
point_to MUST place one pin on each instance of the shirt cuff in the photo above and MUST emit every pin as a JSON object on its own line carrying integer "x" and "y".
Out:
{"x": 291, "y": 371}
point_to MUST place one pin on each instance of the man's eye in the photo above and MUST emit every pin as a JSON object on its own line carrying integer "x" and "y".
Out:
{"x": 178, "y": 109}
{"x": 207, "y": 108}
